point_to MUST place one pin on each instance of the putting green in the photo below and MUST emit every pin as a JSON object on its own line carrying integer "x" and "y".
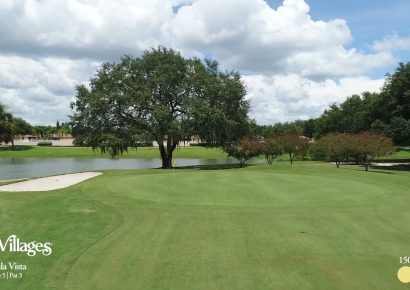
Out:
{"x": 246, "y": 188}
{"x": 307, "y": 226}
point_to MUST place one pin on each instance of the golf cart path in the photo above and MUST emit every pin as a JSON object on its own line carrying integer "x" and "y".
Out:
{"x": 49, "y": 183}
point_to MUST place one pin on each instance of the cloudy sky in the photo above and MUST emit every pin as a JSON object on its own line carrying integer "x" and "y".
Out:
{"x": 296, "y": 56}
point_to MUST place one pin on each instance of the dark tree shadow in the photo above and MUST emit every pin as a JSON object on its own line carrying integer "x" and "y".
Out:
{"x": 7, "y": 148}
{"x": 212, "y": 166}
{"x": 371, "y": 171}
{"x": 403, "y": 149}
{"x": 398, "y": 167}
{"x": 392, "y": 160}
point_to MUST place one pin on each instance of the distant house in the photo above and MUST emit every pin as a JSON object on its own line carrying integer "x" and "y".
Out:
{"x": 56, "y": 140}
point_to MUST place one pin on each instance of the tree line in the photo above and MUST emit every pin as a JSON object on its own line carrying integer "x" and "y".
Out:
{"x": 386, "y": 113}
{"x": 12, "y": 127}
{"x": 362, "y": 148}
{"x": 290, "y": 144}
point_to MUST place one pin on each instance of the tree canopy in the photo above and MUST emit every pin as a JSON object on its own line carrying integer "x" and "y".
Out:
{"x": 11, "y": 126}
{"x": 387, "y": 113}
{"x": 362, "y": 148}
{"x": 6, "y": 125}
{"x": 163, "y": 97}
{"x": 243, "y": 149}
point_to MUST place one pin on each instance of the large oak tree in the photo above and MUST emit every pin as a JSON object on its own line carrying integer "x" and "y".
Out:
{"x": 163, "y": 97}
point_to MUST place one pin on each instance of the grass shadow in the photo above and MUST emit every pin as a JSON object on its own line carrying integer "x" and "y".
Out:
{"x": 407, "y": 149}
{"x": 392, "y": 160}
{"x": 399, "y": 167}
{"x": 371, "y": 169}
{"x": 16, "y": 148}
{"x": 213, "y": 166}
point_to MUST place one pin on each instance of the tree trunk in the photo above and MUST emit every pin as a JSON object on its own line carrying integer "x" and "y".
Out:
{"x": 366, "y": 162}
{"x": 166, "y": 152}
{"x": 166, "y": 161}
{"x": 12, "y": 143}
{"x": 291, "y": 158}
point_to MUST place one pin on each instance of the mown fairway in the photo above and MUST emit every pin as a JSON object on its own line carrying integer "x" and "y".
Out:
{"x": 143, "y": 152}
{"x": 402, "y": 153}
{"x": 310, "y": 226}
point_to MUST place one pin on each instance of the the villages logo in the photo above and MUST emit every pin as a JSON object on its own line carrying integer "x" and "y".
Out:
{"x": 13, "y": 244}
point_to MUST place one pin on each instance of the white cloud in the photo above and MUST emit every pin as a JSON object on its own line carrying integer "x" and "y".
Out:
{"x": 392, "y": 43}
{"x": 74, "y": 28}
{"x": 251, "y": 36}
{"x": 247, "y": 34}
{"x": 287, "y": 98}
{"x": 41, "y": 90}
{"x": 294, "y": 65}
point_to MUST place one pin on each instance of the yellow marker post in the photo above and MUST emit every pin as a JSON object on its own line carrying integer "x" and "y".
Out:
{"x": 173, "y": 172}
{"x": 404, "y": 274}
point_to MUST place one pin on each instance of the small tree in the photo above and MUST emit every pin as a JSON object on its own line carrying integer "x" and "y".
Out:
{"x": 243, "y": 150}
{"x": 271, "y": 148}
{"x": 6, "y": 126}
{"x": 293, "y": 145}
{"x": 334, "y": 146}
{"x": 303, "y": 150}
{"x": 368, "y": 146}
{"x": 21, "y": 127}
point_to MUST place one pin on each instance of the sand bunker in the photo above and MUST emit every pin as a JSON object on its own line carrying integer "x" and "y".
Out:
{"x": 49, "y": 183}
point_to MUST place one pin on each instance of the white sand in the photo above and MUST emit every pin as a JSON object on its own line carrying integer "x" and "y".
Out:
{"x": 390, "y": 164}
{"x": 49, "y": 183}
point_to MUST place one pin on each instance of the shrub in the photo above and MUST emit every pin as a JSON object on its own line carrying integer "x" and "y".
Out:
{"x": 294, "y": 145}
{"x": 45, "y": 143}
{"x": 363, "y": 148}
{"x": 243, "y": 150}
{"x": 144, "y": 144}
{"x": 367, "y": 146}
{"x": 334, "y": 147}
{"x": 317, "y": 152}
{"x": 271, "y": 148}
{"x": 201, "y": 144}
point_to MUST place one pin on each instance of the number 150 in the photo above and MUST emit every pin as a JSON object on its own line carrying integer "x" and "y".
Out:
{"x": 404, "y": 260}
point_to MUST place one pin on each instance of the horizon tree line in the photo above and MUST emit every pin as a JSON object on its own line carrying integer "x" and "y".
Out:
{"x": 12, "y": 127}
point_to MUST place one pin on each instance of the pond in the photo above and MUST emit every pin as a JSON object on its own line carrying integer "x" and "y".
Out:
{"x": 15, "y": 168}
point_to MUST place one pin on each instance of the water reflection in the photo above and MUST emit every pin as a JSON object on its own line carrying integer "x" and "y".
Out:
{"x": 14, "y": 168}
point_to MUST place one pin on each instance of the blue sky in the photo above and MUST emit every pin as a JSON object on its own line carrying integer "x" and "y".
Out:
{"x": 296, "y": 57}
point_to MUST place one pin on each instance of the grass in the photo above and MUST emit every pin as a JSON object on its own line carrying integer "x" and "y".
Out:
{"x": 306, "y": 226}
{"x": 401, "y": 153}
{"x": 143, "y": 152}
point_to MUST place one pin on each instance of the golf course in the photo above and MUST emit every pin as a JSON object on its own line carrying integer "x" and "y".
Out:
{"x": 204, "y": 145}
{"x": 84, "y": 152}
{"x": 306, "y": 226}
